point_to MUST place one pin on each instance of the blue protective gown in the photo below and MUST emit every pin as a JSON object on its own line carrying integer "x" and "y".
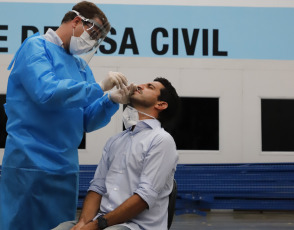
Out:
{"x": 50, "y": 103}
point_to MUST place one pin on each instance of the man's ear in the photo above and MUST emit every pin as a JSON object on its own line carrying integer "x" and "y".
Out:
{"x": 161, "y": 105}
{"x": 76, "y": 21}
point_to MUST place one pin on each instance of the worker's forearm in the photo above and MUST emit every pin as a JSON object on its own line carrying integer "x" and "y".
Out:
{"x": 90, "y": 207}
{"x": 126, "y": 211}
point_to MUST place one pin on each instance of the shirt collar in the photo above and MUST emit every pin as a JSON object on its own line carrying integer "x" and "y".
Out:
{"x": 152, "y": 123}
{"x": 51, "y": 36}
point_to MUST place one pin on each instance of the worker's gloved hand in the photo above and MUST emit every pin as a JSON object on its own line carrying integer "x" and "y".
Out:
{"x": 113, "y": 79}
{"x": 123, "y": 94}
{"x": 132, "y": 88}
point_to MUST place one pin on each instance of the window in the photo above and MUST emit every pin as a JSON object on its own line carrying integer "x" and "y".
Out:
{"x": 277, "y": 121}
{"x": 3, "y": 120}
{"x": 83, "y": 142}
{"x": 198, "y": 126}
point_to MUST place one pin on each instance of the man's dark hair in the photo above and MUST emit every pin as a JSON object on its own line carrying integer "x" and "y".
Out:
{"x": 88, "y": 10}
{"x": 169, "y": 116}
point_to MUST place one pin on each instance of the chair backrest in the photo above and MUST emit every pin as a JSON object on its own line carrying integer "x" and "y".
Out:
{"x": 172, "y": 204}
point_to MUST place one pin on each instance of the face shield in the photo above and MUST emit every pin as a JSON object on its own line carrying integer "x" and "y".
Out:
{"x": 97, "y": 34}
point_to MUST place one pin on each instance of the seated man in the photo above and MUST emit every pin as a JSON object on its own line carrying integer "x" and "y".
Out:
{"x": 134, "y": 178}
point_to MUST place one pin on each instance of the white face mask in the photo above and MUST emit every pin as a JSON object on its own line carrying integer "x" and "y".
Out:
{"x": 131, "y": 116}
{"x": 82, "y": 44}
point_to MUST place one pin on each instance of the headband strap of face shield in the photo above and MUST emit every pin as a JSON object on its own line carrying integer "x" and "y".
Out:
{"x": 97, "y": 32}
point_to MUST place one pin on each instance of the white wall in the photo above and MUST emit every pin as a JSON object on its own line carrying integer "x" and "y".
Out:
{"x": 239, "y": 84}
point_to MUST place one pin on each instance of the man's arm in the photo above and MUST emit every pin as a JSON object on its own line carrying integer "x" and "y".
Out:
{"x": 90, "y": 209}
{"x": 158, "y": 165}
{"x": 126, "y": 211}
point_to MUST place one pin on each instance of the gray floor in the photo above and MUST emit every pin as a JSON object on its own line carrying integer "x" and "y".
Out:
{"x": 234, "y": 220}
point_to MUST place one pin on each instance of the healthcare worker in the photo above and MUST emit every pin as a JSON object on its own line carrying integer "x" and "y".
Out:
{"x": 52, "y": 99}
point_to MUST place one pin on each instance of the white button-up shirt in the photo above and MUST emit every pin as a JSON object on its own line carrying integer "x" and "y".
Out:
{"x": 142, "y": 161}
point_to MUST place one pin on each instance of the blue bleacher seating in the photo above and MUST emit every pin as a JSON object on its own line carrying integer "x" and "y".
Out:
{"x": 203, "y": 187}
{"x": 235, "y": 186}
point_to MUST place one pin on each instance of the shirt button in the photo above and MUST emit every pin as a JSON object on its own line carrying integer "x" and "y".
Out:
{"x": 115, "y": 189}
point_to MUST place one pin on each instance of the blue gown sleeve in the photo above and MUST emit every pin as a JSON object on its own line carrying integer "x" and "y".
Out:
{"x": 99, "y": 113}
{"x": 38, "y": 77}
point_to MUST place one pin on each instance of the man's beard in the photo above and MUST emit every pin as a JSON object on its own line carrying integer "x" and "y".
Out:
{"x": 139, "y": 102}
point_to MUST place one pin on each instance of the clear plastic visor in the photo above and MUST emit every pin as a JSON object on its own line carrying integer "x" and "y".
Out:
{"x": 97, "y": 32}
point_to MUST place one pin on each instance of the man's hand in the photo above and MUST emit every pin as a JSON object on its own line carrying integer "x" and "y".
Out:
{"x": 93, "y": 225}
{"x": 123, "y": 94}
{"x": 78, "y": 226}
{"x": 113, "y": 79}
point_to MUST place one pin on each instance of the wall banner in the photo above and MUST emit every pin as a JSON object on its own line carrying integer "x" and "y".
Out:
{"x": 166, "y": 31}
